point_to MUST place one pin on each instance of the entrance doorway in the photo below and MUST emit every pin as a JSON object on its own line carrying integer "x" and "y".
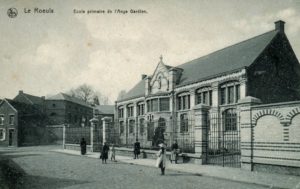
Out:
{"x": 10, "y": 137}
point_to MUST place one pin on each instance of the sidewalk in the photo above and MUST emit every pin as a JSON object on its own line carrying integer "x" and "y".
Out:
{"x": 233, "y": 174}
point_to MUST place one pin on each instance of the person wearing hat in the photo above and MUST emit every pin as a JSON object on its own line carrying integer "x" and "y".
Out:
{"x": 161, "y": 158}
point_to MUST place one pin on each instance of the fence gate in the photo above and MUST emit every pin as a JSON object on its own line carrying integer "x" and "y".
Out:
{"x": 223, "y": 135}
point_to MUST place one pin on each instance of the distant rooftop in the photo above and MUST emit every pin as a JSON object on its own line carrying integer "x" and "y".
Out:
{"x": 63, "y": 96}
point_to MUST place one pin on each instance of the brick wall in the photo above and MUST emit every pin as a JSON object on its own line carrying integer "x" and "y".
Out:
{"x": 270, "y": 136}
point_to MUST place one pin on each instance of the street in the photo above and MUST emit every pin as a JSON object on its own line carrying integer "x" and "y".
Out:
{"x": 45, "y": 169}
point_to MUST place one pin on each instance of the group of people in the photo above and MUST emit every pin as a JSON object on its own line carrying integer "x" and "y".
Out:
{"x": 161, "y": 155}
{"x": 104, "y": 151}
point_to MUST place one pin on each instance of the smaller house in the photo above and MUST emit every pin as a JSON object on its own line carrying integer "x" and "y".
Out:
{"x": 20, "y": 123}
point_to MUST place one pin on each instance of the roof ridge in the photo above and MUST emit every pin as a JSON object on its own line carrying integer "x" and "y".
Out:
{"x": 246, "y": 40}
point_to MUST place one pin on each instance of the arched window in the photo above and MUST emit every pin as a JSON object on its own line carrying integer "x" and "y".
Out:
{"x": 184, "y": 126}
{"x": 150, "y": 130}
{"x": 121, "y": 127}
{"x": 230, "y": 120}
{"x": 142, "y": 125}
{"x": 131, "y": 126}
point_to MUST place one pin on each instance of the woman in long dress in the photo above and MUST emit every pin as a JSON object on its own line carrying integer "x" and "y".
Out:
{"x": 161, "y": 158}
{"x": 104, "y": 154}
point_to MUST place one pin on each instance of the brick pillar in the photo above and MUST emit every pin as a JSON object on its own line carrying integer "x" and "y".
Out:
{"x": 200, "y": 133}
{"x": 105, "y": 122}
{"x": 246, "y": 130}
{"x": 94, "y": 144}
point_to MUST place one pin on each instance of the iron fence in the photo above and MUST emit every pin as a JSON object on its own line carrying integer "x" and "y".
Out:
{"x": 151, "y": 133}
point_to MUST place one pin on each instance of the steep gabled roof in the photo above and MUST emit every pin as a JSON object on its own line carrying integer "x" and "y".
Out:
{"x": 231, "y": 58}
{"x": 225, "y": 60}
{"x": 31, "y": 99}
{"x": 105, "y": 109}
{"x": 24, "y": 108}
{"x": 63, "y": 96}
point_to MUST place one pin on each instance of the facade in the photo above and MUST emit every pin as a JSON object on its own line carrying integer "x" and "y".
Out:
{"x": 65, "y": 109}
{"x": 160, "y": 107}
{"x": 16, "y": 122}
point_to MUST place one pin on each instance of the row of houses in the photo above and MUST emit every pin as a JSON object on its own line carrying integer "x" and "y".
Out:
{"x": 24, "y": 119}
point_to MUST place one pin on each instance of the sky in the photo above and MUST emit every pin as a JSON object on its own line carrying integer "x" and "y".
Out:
{"x": 47, "y": 53}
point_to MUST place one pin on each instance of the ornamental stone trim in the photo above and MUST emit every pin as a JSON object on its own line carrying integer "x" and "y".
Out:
{"x": 262, "y": 113}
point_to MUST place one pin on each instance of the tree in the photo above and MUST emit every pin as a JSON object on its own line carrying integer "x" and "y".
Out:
{"x": 121, "y": 94}
{"x": 89, "y": 95}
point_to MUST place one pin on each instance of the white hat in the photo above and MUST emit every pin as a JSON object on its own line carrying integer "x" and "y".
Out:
{"x": 162, "y": 145}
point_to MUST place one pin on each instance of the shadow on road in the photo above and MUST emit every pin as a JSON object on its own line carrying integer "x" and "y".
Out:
{"x": 31, "y": 182}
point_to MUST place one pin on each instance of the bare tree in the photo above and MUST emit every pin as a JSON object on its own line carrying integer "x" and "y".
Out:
{"x": 88, "y": 94}
{"x": 121, "y": 94}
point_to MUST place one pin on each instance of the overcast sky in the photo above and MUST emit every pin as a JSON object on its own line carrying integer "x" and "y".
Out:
{"x": 46, "y": 54}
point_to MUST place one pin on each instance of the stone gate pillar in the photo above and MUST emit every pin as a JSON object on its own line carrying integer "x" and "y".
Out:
{"x": 105, "y": 122}
{"x": 246, "y": 130}
{"x": 94, "y": 122}
{"x": 200, "y": 133}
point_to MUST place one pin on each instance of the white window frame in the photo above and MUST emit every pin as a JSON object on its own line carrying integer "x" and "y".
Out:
{"x": 2, "y": 138}
{"x": 2, "y": 121}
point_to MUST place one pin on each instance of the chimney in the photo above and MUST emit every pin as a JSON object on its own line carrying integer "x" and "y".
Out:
{"x": 144, "y": 76}
{"x": 20, "y": 91}
{"x": 279, "y": 26}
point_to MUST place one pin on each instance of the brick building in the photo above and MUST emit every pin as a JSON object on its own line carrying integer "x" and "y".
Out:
{"x": 161, "y": 105}
{"x": 65, "y": 109}
{"x": 20, "y": 123}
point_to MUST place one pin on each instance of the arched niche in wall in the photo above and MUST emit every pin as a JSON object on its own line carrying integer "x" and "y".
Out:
{"x": 294, "y": 129}
{"x": 268, "y": 129}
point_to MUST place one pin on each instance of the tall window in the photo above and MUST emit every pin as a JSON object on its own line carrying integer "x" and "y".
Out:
{"x": 121, "y": 127}
{"x": 11, "y": 119}
{"x": 230, "y": 93}
{"x": 204, "y": 96}
{"x": 130, "y": 110}
{"x": 152, "y": 105}
{"x": 1, "y": 119}
{"x": 164, "y": 104}
{"x": 141, "y": 109}
{"x": 183, "y": 101}
{"x": 2, "y": 134}
{"x": 121, "y": 112}
{"x": 184, "y": 127}
{"x": 142, "y": 125}
{"x": 131, "y": 126}
{"x": 230, "y": 120}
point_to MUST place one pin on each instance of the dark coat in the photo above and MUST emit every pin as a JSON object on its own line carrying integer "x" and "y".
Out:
{"x": 104, "y": 154}
{"x": 83, "y": 147}
{"x": 136, "y": 148}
